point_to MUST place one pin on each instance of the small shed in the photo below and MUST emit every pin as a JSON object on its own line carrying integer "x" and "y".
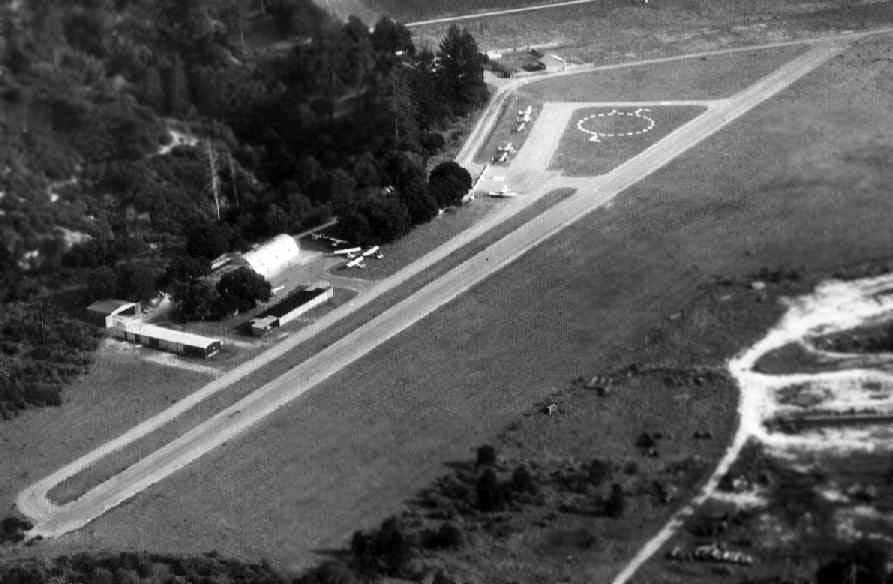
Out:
{"x": 103, "y": 312}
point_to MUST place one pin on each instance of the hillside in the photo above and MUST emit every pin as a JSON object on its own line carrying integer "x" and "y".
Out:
{"x": 144, "y": 138}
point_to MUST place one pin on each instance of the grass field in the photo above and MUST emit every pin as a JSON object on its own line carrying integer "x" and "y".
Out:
{"x": 79, "y": 483}
{"x": 607, "y": 32}
{"x": 413, "y": 10}
{"x": 802, "y": 181}
{"x": 709, "y": 77}
{"x": 578, "y": 156}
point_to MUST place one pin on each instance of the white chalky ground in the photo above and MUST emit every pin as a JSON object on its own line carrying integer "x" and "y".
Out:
{"x": 646, "y": 125}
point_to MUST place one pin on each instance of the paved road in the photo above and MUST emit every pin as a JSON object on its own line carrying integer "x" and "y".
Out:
{"x": 53, "y": 521}
{"x": 447, "y": 19}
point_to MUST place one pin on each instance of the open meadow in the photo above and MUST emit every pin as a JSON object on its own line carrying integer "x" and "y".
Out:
{"x": 801, "y": 182}
{"x": 706, "y": 77}
{"x": 620, "y": 30}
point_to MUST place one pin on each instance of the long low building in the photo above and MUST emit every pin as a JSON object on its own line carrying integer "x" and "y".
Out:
{"x": 165, "y": 339}
{"x": 291, "y": 307}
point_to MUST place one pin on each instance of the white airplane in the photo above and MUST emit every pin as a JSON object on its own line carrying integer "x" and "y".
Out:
{"x": 502, "y": 193}
{"x": 335, "y": 242}
{"x": 371, "y": 251}
{"x": 348, "y": 251}
{"x": 356, "y": 263}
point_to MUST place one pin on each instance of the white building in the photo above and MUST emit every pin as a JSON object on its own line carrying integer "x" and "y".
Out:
{"x": 271, "y": 258}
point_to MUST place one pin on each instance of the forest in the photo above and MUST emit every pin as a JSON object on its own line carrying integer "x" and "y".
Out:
{"x": 143, "y": 138}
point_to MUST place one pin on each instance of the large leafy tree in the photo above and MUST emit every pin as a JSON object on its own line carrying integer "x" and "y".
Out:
{"x": 241, "y": 289}
{"x": 389, "y": 36}
{"x": 448, "y": 183}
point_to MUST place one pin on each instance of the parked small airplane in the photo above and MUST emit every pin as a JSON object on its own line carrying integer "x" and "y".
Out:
{"x": 348, "y": 251}
{"x": 371, "y": 251}
{"x": 502, "y": 193}
{"x": 356, "y": 263}
{"x": 335, "y": 242}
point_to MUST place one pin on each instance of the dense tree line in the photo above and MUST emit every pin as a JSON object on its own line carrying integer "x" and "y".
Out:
{"x": 342, "y": 123}
{"x": 335, "y": 120}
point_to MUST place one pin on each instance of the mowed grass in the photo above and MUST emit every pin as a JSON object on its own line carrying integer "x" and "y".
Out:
{"x": 800, "y": 181}
{"x": 504, "y": 131}
{"x": 619, "y": 30}
{"x": 413, "y": 10}
{"x": 578, "y": 156}
{"x": 803, "y": 180}
{"x": 708, "y": 77}
{"x": 121, "y": 459}
{"x": 119, "y": 391}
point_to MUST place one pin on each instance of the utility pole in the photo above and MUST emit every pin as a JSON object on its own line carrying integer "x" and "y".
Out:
{"x": 215, "y": 180}
{"x": 232, "y": 177}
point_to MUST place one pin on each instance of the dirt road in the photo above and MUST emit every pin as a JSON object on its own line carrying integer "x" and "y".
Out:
{"x": 53, "y": 521}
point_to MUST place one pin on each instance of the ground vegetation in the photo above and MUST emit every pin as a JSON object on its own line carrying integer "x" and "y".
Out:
{"x": 142, "y": 138}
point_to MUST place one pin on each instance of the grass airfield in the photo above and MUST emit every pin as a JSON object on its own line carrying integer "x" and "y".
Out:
{"x": 799, "y": 182}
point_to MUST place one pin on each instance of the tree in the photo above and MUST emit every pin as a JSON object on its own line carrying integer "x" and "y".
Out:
{"x": 616, "y": 503}
{"x": 102, "y": 282}
{"x": 151, "y": 90}
{"x": 489, "y": 492}
{"x": 240, "y": 290}
{"x": 422, "y": 207}
{"x": 486, "y": 455}
{"x": 182, "y": 269}
{"x": 389, "y": 36}
{"x": 136, "y": 281}
{"x": 357, "y": 51}
{"x": 865, "y": 562}
{"x": 276, "y": 220}
{"x": 461, "y": 71}
{"x": 85, "y": 30}
{"x": 176, "y": 88}
{"x": 598, "y": 471}
{"x": 448, "y": 183}
{"x": 194, "y": 299}
{"x": 396, "y": 105}
{"x": 208, "y": 240}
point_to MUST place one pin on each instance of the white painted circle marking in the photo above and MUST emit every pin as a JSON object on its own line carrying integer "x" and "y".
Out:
{"x": 596, "y": 136}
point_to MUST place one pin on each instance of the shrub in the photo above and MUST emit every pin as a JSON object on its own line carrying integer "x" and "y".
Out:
{"x": 331, "y": 572}
{"x": 385, "y": 550}
{"x": 489, "y": 492}
{"x": 522, "y": 480}
{"x": 486, "y": 455}
{"x": 447, "y": 536}
{"x": 616, "y": 504}
{"x": 598, "y": 471}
